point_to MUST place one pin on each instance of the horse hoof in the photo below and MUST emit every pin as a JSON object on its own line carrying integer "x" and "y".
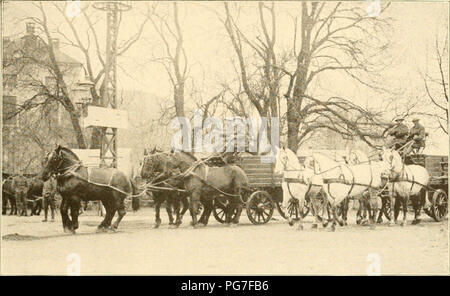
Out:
{"x": 111, "y": 230}
{"x": 345, "y": 223}
{"x": 332, "y": 229}
{"x": 291, "y": 222}
{"x": 173, "y": 226}
{"x": 156, "y": 225}
{"x": 314, "y": 226}
{"x": 100, "y": 229}
{"x": 300, "y": 227}
{"x": 403, "y": 223}
{"x": 232, "y": 225}
{"x": 324, "y": 225}
{"x": 372, "y": 226}
{"x": 341, "y": 223}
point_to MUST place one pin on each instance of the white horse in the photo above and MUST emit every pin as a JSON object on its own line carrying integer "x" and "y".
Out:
{"x": 343, "y": 180}
{"x": 405, "y": 182}
{"x": 298, "y": 183}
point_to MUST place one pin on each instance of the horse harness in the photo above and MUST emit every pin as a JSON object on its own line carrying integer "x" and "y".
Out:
{"x": 72, "y": 171}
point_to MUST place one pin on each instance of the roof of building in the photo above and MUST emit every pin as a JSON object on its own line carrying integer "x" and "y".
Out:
{"x": 35, "y": 47}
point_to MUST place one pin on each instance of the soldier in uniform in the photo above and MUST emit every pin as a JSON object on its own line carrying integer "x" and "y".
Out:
{"x": 20, "y": 185}
{"x": 399, "y": 132}
{"x": 417, "y": 135}
{"x": 48, "y": 194}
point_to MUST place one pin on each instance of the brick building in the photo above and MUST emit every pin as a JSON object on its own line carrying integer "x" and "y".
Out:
{"x": 27, "y": 136}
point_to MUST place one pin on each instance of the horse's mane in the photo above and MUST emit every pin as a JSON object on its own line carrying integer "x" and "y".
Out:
{"x": 293, "y": 157}
{"x": 69, "y": 152}
{"x": 192, "y": 156}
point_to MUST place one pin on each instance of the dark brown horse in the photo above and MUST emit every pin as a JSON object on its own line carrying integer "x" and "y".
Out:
{"x": 158, "y": 169}
{"x": 8, "y": 195}
{"x": 20, "y": 186}
{"x": 76, "y": 183}
{"x": 205, "y": 183}
{"x": 34, "y": 194}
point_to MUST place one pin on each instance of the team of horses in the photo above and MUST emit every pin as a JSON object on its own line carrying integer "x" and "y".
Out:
{"x": 22, "y": 193}
{"x": 187, "y": 183}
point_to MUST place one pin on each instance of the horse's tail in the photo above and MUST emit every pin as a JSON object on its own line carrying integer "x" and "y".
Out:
{"x": 135, "y": 201}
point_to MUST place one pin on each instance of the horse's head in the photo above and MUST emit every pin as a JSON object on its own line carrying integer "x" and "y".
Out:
{"x": 51, "y": 163}
{"x": 286, "y": 160}
{"x": 280, "y": 161}
{"x": 393, "y": 162}
{"x": 154, "y": 162}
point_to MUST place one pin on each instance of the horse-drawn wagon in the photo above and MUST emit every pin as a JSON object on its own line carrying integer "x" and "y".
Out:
{"x": 266, "y": 192}
{"x": 437, "y": 167}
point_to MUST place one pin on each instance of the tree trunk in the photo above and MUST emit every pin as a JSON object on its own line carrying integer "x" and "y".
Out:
{"x": 294, "y": 104}
{"x": 78, "y": 131}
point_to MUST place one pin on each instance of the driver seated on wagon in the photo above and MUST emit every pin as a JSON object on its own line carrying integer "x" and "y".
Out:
{"x": 417, "y": 136}
{"x": 399, "y": 133}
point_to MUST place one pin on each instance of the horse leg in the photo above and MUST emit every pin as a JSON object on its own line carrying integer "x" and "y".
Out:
{"x": 208, "y": 204}
{"x": 158, "y": 202}
{"x": 373, "y": 204}
{"x": 333, "y": 210}
{"x": 169, "y": 201}
{"x": 185, "y": 202}
{"x": 207, "y": 208}
{"x": 238, "y": 206}
{"x": 104, "y": 224}
{"x": 314, "y": 211}
{"x": 380, "y": 214}
{"x": 64, "y": 214}
{"x": 121, "y": 212}
{"x": 4, "y": 204}
{"x": 38, "y": 208}
{"x": 13, "y": 203}
{"x": 392, "y": 200}
{"x": 176, "y": 209}
{"x": 345, "y": 210}
{"x": 74, "y": 208}
{"x": 193, "y": 206}
{"x": 300, "y": 217}
{"x": 405, "y": 209}
{"x": 397, "y": 209}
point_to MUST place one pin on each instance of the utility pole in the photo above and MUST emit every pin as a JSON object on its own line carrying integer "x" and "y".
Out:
{"x": 113, "y": 9}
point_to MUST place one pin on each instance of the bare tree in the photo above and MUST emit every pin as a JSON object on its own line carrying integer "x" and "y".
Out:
{"x": 260, "y": 84}
{"x": 333, "y": 37}
{"x": 175, "y": 60}
{"x": 436, "y": 85}
{"x": 81, "y": 33}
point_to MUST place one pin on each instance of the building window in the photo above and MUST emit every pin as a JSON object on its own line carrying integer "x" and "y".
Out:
{"x": 9, "y": 109}
{"x": 9, "y": 80}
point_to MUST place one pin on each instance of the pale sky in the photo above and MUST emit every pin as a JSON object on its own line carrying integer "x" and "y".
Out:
{"x": 210, "y": 53}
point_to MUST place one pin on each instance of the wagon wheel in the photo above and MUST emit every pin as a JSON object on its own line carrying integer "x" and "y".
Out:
{"x": 440, "y": 205}
{"x": 260, "y": 207}
{"x": 219, "y": 211}
{"x": 293, "y": 209}
{"x": 429, "y": 211}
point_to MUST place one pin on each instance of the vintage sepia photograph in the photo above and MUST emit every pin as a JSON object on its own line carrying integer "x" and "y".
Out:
{"x": 224, "y": 138}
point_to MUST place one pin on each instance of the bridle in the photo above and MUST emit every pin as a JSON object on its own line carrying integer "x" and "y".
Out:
{"x": 150, "y": 157}
{"x": 56, "y": 170}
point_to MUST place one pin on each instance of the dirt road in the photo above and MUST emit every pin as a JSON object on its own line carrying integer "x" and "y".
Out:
{"x": 274, "y": 248}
